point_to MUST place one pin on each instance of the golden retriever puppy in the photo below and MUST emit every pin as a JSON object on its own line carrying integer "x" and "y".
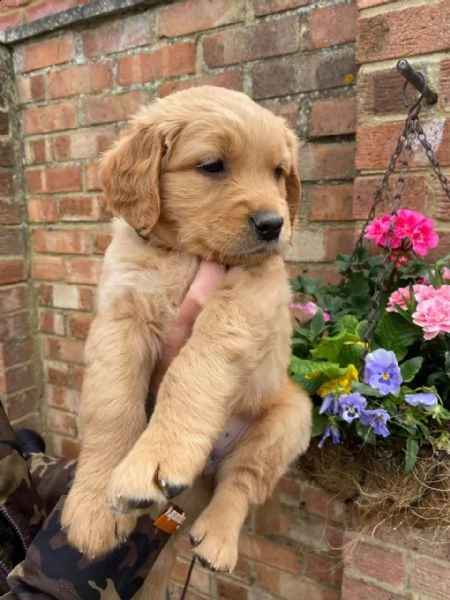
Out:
{"x": 203, "y": 174}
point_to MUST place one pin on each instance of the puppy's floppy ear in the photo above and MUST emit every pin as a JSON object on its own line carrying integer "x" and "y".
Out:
{"x": 129, "y": 173}
{"x": 293, "y": 180}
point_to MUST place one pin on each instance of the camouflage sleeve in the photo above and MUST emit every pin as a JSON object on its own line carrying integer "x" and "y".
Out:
{"x": 54, "y": 570}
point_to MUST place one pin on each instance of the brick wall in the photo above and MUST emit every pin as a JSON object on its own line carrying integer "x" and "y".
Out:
{"x": 77, "y": 84}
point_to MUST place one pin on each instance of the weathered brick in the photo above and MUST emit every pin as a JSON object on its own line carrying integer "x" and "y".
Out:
{"x": 101, "y": 241}
{"x": 82, "y": 270}
{"x": 91, "y": 179}
{"x": 6, "y": 184}
{"x": 83, "y": 208}
{"x": 289, "y": 111}
{"x": 57, "y": 373}
{"x": 330, "y": 202}
{"x": 303, "y": 73}
{"x": 71, "y": 351}
{"x": 60, "y": 241}
{"x": 61, "y": 422}
{"x": 332, "y": 25}
{"x": 51, "y": 321}
{"x": 14, "y": 352}
{"x": 11, "y": 241}
{"x": 65, "y": 447}
{"x": 31, "y": 89}
{"x": 267, "y": 7}
{"x": 230, "y": 79}
{"x": 269, "y": 552}
{"x": 46, "y": 53}
{"x": 19, "y": 378}
{"x": 56, "y": 179}
{"x": 332, "y": 116}
{"x": 370, "y": 3}
{"x": 10, "y": 20}
{"x": 129, "y": 32}
{"x": 47, "y": 268}
{"x": 13, "y": 327}
{"x": 271, "y": 38}
{"x": 49, "y": 118}
{"x": 291, "y": 587}
{"x": 168, "y": 61}
{"x": 380, "y": 92}
{"x": 109, "y": 109}
{"x": 42, "y": 210}
{"x": 81, "y": 78}
{"x": 9, "y": 213}
{"x": 13, "y": 299}
{"x": 40, "y": 10}
{"x": 358, "y": 590}
{"x": 83, "y": 143}
{"x": 200, "y": 578}
{"x": 430, "y": 579}
{"x": 327, "y": 161}
{"x": 198, "y": 15}
{"x": 77, "y": 377}
{"x": 12, "y": 270}
{"x": 21, "y": 404}
{"x": 228, "y": 590}
{"x": 379, "y": 562}
{"x": 4, "y": 123}
{"x": 78, "y": 325}
{"x": 444, "y": 84}
{"x": 37, "y": 151}
{"x": 319, "y": 502}
{"x": 381, "y": 36}
{"x": 324, "y": 568}
{"x": 6, "y": 154}
{"x": 339, "y": 240}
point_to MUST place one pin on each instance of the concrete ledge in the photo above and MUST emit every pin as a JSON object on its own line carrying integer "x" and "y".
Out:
{"x": 72, "y": 16}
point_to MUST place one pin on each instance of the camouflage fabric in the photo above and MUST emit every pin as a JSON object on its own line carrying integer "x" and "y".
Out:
{"x": 36, "y": 560}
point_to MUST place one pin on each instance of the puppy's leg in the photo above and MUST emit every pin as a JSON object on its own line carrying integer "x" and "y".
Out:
{"x": 120, "y": 358}
{"x": 249, "y": 475}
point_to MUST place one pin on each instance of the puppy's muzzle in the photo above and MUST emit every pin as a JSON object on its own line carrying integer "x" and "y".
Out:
{"x": 267, "y": 224}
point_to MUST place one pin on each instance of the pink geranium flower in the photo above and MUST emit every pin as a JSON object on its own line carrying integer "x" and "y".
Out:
{"x": 408, "y": 226}
{"x": 400, "y": 297}
{"x": 305, "y": 312}
{"x": 433, "y": 313}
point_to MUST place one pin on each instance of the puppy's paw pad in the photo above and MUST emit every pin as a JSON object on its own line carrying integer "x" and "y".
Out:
{"x": 171, "y": 490}
{"x": 214, "y": 546}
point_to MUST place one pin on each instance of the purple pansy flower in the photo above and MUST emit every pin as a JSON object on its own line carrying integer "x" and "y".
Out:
{"x": 351, "y": 405}
{"x": 330, "y": 431}
{"x": 423, "y": 399}
{"x": 376, "y": 419}
{"x": 329, "y": 405}
{"x": 382, "y": 371}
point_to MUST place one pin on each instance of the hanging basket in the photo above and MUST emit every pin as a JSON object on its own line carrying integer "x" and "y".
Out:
{"x": 377, "y": 370}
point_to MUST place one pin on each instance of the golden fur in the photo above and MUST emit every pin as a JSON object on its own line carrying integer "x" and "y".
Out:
{"x": 236, "y": 358}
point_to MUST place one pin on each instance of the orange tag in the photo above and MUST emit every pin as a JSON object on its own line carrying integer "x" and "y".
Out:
{"x": 170, "y": 520}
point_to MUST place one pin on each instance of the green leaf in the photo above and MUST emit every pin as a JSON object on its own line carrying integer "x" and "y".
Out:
{"x": 319, "y": 422}
{"x": 395, "y": 333}
{"x": 366, "y": 390}
{"x": 330, "y": 347}
{"x": 348, "y": 323}
{"x": 308, "y": 368}
{"x": 365, "y": 433}
{"x": 412, "y": 449}
{"x": 410, "y": 368}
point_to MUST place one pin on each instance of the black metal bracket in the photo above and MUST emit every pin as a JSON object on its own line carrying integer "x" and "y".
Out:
{"x": 418, "y": 80}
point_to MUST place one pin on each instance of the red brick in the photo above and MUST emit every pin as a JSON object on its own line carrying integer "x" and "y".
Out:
{"x": 13, "y": 299}
{"x": 109, "y": 109}
{"x": 61, "y": 422}
{"x": 14, "y": 326}
{"x": 57, "y": 375}
{"x": 44, "y": 294}
{"x": 61, "y": 241}
{"x": 91, "y": 177}
{"x": 444, "y": 84}
{"x": 57, "y": 179}
{"x": 287, "y": 110}
{"x": 77, "y": 377}
{"x": 82, "y": 270}
{"x": 12, "y": 270}
{"x": 352, "y": 589}
{"x": 330, "y": 26}
{"x": 200, "y": 578}
{"x": 39, "y": 10}
{"x": 130, "y": 32}
{"x": 10, "y": 20}
{"x": 324, "y": 568}
{"x": 380, "y": 93}
{"x": 83, "y": 143}
{"x": 270, "y": 38}
{"x": 382, "y": 36}
{"x": 31, "y": 89}
{"x": 198, "y": 15}
{"x": 14, "y": 352}
{"x": 47, "y": 53}
{"x": 65, "y": 447}
{"x": 229, "y": 79}
{"x": 168, "y": 61}
{"x": 339, "y": 241}
{"x": 4, "y": 123}
{"x": 47, "y": 268}
{"x": 6, "y": 154}
{"x": 381, "y": 563}
{"x": 81, "y": 78}
{"x": 320, "y": 503}
{"x": 83, "y": 208}
{"x": 11, "y": 241}
{"x": 42, "y": 210}
{"x": 327, "y": 161}
{"x": 269, "y": 552}
{"x": 291, "y": 587}
{"x": 306, "y": 72}
{"x": 101, "y": 241}
{"x": 6, "y": 184}
{"x": 19, "y": 378}
{"x": 9, "y": 3}
{"x": 330, "y": 202}
{"x": 370, "y": 3}
{"x": 9, "y": 213}
{"x": 50, "y": 118}
{"x": 63, "y": 398}
{"x": 37, "y": 151}
{"x": 21, "y": 404}
{"x": 71, "y": 351}
{"x": 51, "y": 322}
{"x": 78, "y": 326}
{"x": 333, "y": 116}
{"x": 266, "y": 7}
{"x": 230, "y": 591}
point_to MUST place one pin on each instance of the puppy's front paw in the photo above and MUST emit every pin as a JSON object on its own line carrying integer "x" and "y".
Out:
{"x": 214, "y": 543}
{"x": 91, "y": 526}
{"x": 151, "y": 474}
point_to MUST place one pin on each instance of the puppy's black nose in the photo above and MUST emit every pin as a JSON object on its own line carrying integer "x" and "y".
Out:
{"x": 267, "y": 224}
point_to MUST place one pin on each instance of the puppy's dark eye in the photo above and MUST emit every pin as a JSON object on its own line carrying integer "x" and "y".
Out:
{"x": 215, "y": 167}
{"x": 278, "y": 172}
